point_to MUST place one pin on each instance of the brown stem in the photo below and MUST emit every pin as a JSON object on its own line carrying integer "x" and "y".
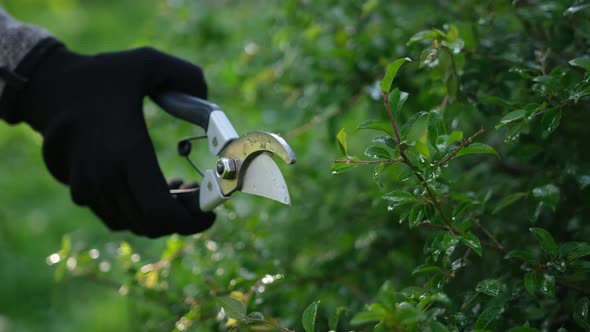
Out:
{"x": 393, "y": 123}
{"x": 496, "y": 244}
{"x": 454, "y": 153}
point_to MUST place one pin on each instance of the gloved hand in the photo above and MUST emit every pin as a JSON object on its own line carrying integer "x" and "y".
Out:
{"x": 89, "y": 111}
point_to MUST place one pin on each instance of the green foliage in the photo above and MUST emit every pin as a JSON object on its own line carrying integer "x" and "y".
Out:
{"x": 464, "y": 203}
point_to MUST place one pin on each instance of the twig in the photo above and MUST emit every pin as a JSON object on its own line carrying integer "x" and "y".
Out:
{"x": 454, "y": 153}
{"x": 497, "y": 245}
{"x": 393, "y": 123}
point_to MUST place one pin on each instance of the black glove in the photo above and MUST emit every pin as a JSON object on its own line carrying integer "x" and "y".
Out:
{"x": 89, "y": 110}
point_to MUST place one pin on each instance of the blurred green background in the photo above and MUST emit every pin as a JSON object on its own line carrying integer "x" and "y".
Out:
{"x": 305, "y": 69}
{"x": 36, "y": 211}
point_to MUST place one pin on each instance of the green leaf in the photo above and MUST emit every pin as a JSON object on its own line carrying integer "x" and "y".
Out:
{"x": 390, "y": 74}
{"x": 547, "y": 285}
{"x": 507, "y": 201}
{"x": 387, "y": 140}
{"x": 550, "y": 121}
{"x": 256, "y": 315}
{"x": 399, "y": 197}
{"x": 581, "y": 313}
{"x": 376, "y": 152}
{"x": 549, "y": 194}
{"x": 472, "y": 242}
{"x": 489, "y": 287}
{"x": 438, "y": 327}
{"x": 532, "y": 282}
{"x": 415, "y": 128}
{"x": 342, "y": 142}
{"x": 397, "y": 99}
{"x": 416, "y": 216}
{"x": 477, "y": 148}
{"x": 511, "y": 117}
{"x": 523, "y": 329}
{"x": 546, "y": 241}
{"x": 427, "y": 268}
{"x": 232, "y": 307}
{"x": 338, "y": 168}
{"x": 488, "y": 316}
{"x": 522, "y": 255}
{"x": 376, "y": 125}
{"x": 580, "y": 265}
{"x": 399, "y": 171}
{"x": 426, "y": 35}
{"x": 582, "y": 251}
{"x": 308, "y": 318}
{"x": 375, "y": 314}
{"x": 581, "y": 62}
{"x": 334, "y": 320}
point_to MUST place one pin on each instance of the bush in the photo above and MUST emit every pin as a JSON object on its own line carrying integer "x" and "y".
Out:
{"x": 464, "y": 205}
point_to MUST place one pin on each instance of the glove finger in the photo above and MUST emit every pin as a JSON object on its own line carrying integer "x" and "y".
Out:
{"x": 94, "y": 187}
{"x": 175, "y": 183}
{"x": 161, "y": 213}
{"x": 165, "y": 73}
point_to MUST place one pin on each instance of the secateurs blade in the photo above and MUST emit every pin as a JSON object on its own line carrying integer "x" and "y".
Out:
{"x": 245, "y": 162}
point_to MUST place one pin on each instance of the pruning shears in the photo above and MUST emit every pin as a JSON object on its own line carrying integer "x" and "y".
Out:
{"x": 244, "y": 163}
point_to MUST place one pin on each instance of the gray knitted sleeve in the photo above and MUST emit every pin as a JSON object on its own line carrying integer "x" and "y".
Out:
{"x": 16, "y": 40}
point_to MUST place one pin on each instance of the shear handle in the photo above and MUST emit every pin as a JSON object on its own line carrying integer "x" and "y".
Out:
{"x": 186, "y": 107}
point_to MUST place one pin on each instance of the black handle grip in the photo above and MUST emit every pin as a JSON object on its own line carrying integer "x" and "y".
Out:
{"x": 186, "y": 107}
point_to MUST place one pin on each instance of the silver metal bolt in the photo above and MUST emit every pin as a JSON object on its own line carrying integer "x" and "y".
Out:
{"x": 226, "y": 168}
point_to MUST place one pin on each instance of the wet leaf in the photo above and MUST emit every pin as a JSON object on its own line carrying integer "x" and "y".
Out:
{"x": 507, "y": 201}
{"x": 511, "y": 117}
{"x": 546, "y": 241}
{"x": 547, "y": 286}
{"x": 532, "y": 282}
{"x": 415, "y": 128}
{"x": 549, "y": 194}
{"x": 397, "y": 100}
{"x": 489, "y": 287}
{"x": 342, "y": 142}
{"x": 376, "y": 125}
{"x": 338, "y": 168}
{"x": 309, "y": 315}
{"x": 477, "y": 148}
{"x": 416, "y": 216}
{"x": 581, "y": 62}
{"x": 488, "y": 316}
{"x": 387, "y": 140}
{"x": 472, "y": 242}
{"x": 550, "y": 121}
{"x": 427, "y": 268}
{"x": 522, "y": 255}
{"x": 390, "y": 74}
{"x": 399, "y": 197}
{"x": 232, "y": 307}
{"x": 376, "y": 152}
{"x": 581, "y": 313}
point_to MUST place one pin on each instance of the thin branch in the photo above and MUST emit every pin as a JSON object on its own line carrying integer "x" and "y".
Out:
{"x": 454, "y": 153}
{"x": 497, "y": 245}
{"x": 393, "y": 123}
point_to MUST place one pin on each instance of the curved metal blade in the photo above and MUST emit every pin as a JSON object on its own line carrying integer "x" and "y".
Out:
{"x": 263, "y": 178}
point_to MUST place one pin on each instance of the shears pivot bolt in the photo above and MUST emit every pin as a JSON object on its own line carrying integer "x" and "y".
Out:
{"x": 226, "y": 168}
